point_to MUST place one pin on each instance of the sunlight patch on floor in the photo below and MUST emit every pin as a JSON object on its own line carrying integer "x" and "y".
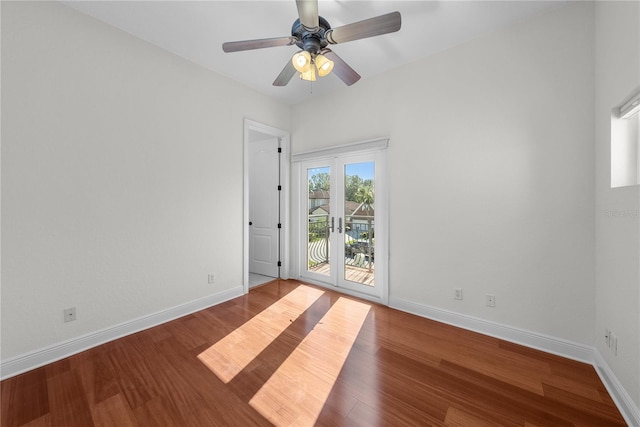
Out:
{"x": 233, "y": 353}
{"x": 296, "y": 393}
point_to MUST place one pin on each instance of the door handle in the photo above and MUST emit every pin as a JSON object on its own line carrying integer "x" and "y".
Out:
{"x": 332, "y": 224}
{"x": 340, "y": 225}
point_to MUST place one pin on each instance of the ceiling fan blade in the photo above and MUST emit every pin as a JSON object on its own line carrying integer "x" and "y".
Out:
{"x": 341, "y": 69}
{"x": 382, "y": 24}
{"x": 308, "y": 13}
{"x": 258, "y": 44}
{"x": 285, "y": 75}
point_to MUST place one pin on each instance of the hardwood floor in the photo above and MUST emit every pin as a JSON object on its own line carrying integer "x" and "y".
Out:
{"x": 293, "y": 354}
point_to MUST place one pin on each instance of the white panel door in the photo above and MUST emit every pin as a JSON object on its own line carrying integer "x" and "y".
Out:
{"x": 263, "y": 207}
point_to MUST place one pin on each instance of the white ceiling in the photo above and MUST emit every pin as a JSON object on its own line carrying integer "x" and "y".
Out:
{"x": 195, "y": 30}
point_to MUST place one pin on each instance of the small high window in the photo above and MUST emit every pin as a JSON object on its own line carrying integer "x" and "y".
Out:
{"x": 625, "y": 143}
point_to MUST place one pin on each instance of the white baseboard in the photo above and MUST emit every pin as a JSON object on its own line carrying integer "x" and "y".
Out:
{"x": 618, "y": 393}
{"x": 542, "y": 342}
{"x": 28, "y": 361}
{"x": 548, "y": 344}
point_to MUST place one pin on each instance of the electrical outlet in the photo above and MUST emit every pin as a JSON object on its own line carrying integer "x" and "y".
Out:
{"x": 70, "y": 314}
{"x": 457, "y": 293}
{"x": 211, "y": 279}
{"x": 491, "y": 300}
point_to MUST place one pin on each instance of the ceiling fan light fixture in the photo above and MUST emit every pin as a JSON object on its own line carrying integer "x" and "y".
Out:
{"x": 324, "y": 65}
{"x": 309, "y": 75}
{"x": 302, "y": 61}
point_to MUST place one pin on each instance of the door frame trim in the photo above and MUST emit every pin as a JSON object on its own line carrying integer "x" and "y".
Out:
{"x": 297, "y": 215}
{"x": 337, "y": 150}
{"x": 285, "y": 144}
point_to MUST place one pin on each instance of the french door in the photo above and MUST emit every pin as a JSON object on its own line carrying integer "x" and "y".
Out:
{"x": 343, "y": 236}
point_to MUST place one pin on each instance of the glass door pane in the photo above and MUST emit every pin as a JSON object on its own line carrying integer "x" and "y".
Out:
{"x": 344, "y": 199}
{"x": 319, "y": 220}
{"x": 359, "y": 223}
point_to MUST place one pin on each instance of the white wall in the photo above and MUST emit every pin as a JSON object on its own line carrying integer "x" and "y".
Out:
{"x": 121, "y": 176}
{"x": 491, "y": 170}
{"x": 617, "y": 209}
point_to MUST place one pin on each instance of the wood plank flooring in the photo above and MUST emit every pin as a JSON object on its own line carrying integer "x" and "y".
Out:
{"x": 329, "y": 360}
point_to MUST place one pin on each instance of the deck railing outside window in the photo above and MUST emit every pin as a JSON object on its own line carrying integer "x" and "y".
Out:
{"x": 359, "y": 241}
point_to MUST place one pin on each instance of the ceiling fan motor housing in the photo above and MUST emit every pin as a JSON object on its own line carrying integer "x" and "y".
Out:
{"x": 313, "y": 41}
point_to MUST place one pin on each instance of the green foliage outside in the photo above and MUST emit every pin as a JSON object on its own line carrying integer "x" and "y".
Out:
{"x": 319, "y": 182}
{"x": 353, "y": 184}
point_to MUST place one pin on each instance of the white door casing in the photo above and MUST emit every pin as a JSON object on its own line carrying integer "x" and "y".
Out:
{"x": 334, "y": 160}
{"x": 255, "y": 131}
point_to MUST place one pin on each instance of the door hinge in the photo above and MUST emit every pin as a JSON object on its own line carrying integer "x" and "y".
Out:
{"x": 279, "y": 187}
{"x": 279, "y": 263}
{"x": 279, "y": 225}
{"x": 279, "y": 149}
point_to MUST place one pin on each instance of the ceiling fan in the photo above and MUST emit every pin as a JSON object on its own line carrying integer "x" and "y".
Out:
{"x": 312, "y": 33}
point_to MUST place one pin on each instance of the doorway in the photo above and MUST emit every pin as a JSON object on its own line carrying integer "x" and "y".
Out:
{"x": 342, "y": 238}
{"x": 266, "y": 201}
